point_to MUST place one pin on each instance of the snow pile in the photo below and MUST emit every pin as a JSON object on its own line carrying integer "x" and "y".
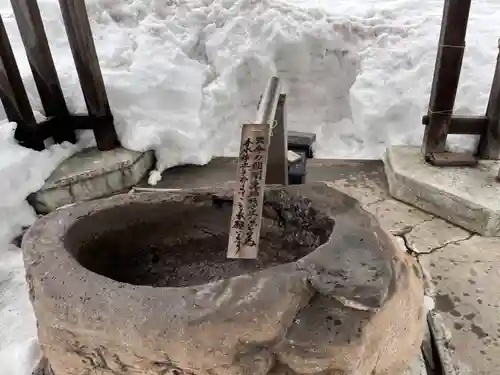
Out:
{"x": 23, "y": 171}
{"x": 182, "y": 76}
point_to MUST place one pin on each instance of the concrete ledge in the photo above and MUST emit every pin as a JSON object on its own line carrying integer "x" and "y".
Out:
{"x": 91, "y": 174}
{"x": 467, "y": 197}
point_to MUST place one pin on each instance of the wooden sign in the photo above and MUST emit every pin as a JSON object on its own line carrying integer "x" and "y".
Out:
{"x": 249, "y": 193}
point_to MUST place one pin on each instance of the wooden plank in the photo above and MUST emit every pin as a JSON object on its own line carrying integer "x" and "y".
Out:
{"x": 446, "y": 74}
{"x": 277, "y": 163}
{"x": 470, "y": 125}
{"x": 45, "y": 129}
{"x": 489, "y": 144}
{"x": 451, "y": 159}
{"x": 84, "y": 53}
{"x": 249, "y": 195}
{"x": 42, "y": 66}
{"x": 13, "y": 95}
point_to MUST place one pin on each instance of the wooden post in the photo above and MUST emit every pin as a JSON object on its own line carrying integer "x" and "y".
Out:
{"x": 489, "y": 143}
{"x": 277, "y": 163}
{"x": 252, "y": 171}
{"x": 37, "y": 49}
{"x": 13, "y": 95}
{"x": 249, "y": 195}
{"x": 84, "y": 53}
{"x": 446, "y": 74}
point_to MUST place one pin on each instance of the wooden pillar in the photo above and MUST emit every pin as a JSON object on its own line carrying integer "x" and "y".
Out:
{"x": 446, "y": 74}
{"x": 84, "y": 53}
{"x": 489, "y": 144}
{"x": 13, "y": 96}
{"x": 42, "y": 66}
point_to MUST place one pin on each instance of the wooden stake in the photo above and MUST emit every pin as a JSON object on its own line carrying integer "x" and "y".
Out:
{"x": 249, "y": 194}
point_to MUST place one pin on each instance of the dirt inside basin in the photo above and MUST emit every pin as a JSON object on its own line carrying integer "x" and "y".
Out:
{"x": 177, "y": 244}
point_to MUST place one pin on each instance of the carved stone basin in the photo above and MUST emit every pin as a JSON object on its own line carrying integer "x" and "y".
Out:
{"x": 139, "y": 284}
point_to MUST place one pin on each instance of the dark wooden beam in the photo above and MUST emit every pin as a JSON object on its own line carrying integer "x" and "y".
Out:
{"x": 489, "y": 144}
{"x": 13, "y": 95}
{"x": 87, "y": 65}
{"x": 46, "y": 128}
{"x": 470, "y": 125}
{"x": 42, "y": 66}
{"x": 446, "y": 74}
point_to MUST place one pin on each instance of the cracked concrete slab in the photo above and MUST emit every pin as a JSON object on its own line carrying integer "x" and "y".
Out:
{"x": 465, "y": 275}
{"x": 365, "y": 191}
{"x": 397, "y": 217}
{"x": 434, "y": 234}
{"x": 461, "y": 268}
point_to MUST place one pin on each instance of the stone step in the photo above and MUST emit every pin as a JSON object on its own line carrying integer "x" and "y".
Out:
{"x": 465, "y": 196}
{"x": 91, "y": 174}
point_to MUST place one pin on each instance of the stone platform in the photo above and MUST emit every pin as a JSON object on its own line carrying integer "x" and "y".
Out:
{"x": 467, "y": 197}
{"x": 91, "y": 174}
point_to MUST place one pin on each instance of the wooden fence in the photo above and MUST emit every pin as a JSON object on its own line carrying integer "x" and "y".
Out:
{"x": 440, "y": 121}
{"x": 60, "y": 124}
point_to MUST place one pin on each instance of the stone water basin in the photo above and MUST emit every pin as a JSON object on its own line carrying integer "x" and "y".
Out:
{"x": 140, "y": 284}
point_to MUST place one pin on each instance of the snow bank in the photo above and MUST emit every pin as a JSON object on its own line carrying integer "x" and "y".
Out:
{"x": 392, "y": 92}
{"x": 183, "y": 75}
{"x": 23, "y": 171}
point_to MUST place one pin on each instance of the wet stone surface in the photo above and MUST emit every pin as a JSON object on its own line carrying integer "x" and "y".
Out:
{"x": 139, "y": 284}
{"x": 465, "y": 274}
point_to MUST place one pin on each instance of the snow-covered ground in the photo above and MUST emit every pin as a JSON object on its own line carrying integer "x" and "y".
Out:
{"x": 182, "y": 75}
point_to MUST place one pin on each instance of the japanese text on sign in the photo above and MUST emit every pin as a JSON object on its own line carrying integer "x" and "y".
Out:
{"x": 249, "y": 194}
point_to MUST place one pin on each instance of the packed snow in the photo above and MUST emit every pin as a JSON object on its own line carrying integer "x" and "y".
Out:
{"x": 182, "y": 75}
